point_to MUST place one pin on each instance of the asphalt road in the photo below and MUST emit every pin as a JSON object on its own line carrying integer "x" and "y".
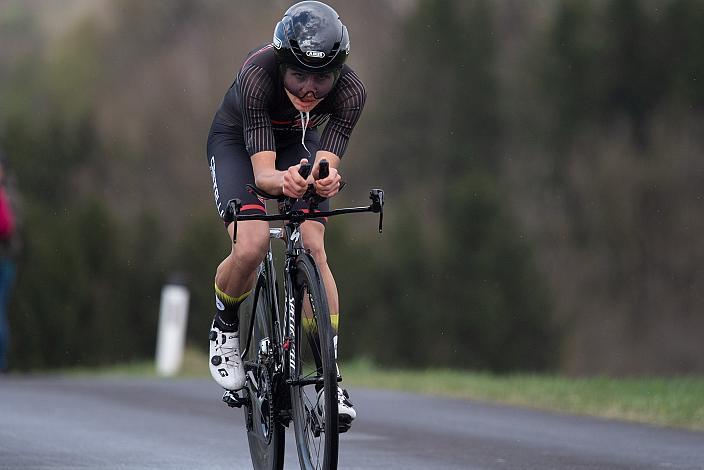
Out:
{"x": 90, "y": 423}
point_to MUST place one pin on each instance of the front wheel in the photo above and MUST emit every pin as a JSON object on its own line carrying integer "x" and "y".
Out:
{"x": 314, "y": 386}
{"x": 265, "y": 432}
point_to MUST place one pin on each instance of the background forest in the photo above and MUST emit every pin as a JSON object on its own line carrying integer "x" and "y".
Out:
{"x": 542, "y": 162}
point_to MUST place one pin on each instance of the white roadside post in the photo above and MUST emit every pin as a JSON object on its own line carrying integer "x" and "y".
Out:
{"x": 171, "y": 335}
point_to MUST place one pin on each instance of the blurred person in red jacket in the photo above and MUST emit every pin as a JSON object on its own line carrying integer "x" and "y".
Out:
{"x": 7, "y": 266}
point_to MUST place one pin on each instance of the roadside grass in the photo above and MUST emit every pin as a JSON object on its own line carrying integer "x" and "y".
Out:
{"x": 194, "y": 365}
{"x": 676, "y": 402}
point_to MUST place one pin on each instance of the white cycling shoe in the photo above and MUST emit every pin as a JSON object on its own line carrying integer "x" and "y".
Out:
{"x": 225, "y": 362}
{"x": 345, "y": 409}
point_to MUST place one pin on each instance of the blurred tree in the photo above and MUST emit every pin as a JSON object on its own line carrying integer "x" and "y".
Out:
{"x": 521, "y": 144}
{"x": 618, "y": 78}
{"x": 203, "y": 246}
{"x": 79, "y": 297}
{"x": 679, "y": 41}
{"x": 457, "y": 287}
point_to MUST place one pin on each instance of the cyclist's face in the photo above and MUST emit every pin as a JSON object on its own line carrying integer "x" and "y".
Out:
{"x": 308, "y": 86}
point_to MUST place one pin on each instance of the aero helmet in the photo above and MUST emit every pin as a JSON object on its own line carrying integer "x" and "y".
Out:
{"x": 311, "y": 37}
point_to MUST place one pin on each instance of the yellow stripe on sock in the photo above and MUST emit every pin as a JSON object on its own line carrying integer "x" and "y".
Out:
{"x": 228, "y": 299}
{"x": 310, "y": 325}
{"x": 334, "y": 321}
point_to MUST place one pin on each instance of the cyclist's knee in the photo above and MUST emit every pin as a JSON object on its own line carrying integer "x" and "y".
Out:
{"x": 252, "y": 243}
{"x": 313, "y": 239}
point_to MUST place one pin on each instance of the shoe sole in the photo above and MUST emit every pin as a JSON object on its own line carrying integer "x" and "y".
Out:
{"x": 344, "y": 423}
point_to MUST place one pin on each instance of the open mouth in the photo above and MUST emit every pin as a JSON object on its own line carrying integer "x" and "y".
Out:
{"x": 305, "y": 102}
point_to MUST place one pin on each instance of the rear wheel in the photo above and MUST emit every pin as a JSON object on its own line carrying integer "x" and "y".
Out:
{"x": 265, "y": 433}
{"x": 314, "y": 390}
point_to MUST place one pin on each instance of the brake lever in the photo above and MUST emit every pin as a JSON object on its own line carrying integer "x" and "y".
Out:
{"x": 377, "y": 197}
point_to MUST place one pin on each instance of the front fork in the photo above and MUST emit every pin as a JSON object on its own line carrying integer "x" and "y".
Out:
{"x": 289, "y": 343}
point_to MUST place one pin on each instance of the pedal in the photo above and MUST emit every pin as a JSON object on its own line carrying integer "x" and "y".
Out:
{"x": 233, "y": 401}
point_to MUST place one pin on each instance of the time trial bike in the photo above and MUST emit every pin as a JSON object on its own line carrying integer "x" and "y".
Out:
{"x": 288, "y": 351}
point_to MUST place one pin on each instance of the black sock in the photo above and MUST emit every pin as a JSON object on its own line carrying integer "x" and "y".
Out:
{"x": 226, "y": 316}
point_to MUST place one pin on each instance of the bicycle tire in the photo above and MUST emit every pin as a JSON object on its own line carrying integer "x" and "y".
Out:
{"x": 315, "y": 415}
{"x": 265, "y": 433}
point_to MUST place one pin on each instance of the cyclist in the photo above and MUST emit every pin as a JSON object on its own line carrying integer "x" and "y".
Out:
{"x": 267, "y": 122}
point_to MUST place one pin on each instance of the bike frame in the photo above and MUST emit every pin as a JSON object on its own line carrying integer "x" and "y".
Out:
{"x": 274, "y": 394}
{"x": 281, "y": 348}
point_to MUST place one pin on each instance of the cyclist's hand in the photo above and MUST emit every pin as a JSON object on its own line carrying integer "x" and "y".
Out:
{"x": 294, "y": 185}
{"x": 328, "y": 187}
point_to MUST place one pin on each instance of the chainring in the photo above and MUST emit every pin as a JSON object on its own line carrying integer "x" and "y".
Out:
{"x": 262, "y": 400}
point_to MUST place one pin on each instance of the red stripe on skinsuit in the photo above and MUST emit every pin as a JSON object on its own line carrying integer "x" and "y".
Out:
{"x": 254, "y": 207}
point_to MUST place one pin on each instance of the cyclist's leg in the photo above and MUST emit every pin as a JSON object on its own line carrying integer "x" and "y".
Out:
{"x": 313, "y": 236}
{"x": 231, "y": 170}
{"x": 235, "y": 274}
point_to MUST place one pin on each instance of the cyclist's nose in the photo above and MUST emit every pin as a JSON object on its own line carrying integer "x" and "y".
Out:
{"x": 308, "y": 87}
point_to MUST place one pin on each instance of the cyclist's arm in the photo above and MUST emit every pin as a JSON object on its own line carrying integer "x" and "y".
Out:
{"x": 333, "y": 159}
{"x": 256, "y": 89}
{"x": 273, "y": 181}
{"x": 348, "y": 105}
